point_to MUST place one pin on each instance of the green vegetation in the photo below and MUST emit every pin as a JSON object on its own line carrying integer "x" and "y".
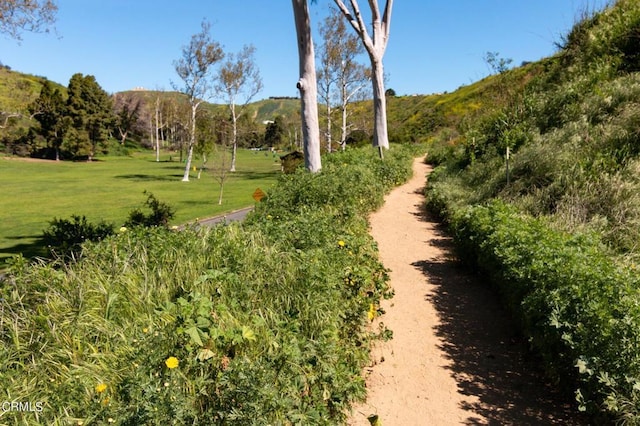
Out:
{"x": 255, "y": 323}
{"x": 34, "y": 192}
{"x": 540, "y": 188}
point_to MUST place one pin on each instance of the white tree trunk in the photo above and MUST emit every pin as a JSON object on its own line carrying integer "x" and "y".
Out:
{"x": 157, "y": 131}
{"x": 375, "y": 46}
{"x": 345, "y": 101}
{"x": 192, "y": 142}
{"x": 308, "y": 87}
{"x": 328, "y": 126}
{"x": 234, "y": 122}
{"x": 380, "y": 135}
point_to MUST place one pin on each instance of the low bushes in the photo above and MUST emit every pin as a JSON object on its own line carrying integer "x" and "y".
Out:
{"x": 579, "y": 308}
{"x": 257, "y": 323}
{"x": 64, "y": 237}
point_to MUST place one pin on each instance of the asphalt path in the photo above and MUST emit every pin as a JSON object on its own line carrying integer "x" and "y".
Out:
{"x": 234, "y": 216}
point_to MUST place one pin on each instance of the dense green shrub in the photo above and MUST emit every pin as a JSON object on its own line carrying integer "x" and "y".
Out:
{"x": 263, "y": 322}
{"x": 578, "y": 307}
{"x": 160, "y": 215}
{"x": 64, "y": 237}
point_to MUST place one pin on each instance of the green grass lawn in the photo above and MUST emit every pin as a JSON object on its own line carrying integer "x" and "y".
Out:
{"x": 34, "y": 192}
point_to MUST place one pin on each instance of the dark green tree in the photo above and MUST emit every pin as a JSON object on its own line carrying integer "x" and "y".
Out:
{"x": 49, "y": 109}
{"x": 91, "y": 111}
{"x": 275, "y": 132}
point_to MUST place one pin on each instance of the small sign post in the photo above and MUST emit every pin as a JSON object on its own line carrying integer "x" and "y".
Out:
{"x": 258, "y": 195}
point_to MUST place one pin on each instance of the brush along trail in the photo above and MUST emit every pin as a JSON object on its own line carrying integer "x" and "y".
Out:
{"x": 455, "y": 357}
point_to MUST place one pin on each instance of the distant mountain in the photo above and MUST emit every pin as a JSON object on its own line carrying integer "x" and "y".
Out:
{"x": 410, "y": 117}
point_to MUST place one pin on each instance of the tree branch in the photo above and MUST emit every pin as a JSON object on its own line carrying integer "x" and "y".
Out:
{"x": 386, "y": 21}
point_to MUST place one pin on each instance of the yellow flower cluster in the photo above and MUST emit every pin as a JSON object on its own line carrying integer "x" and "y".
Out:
{"x": 101, "y": 387}
{"x": 341, "y": 243}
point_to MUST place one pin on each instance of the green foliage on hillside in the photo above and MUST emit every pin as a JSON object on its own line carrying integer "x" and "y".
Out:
{"x": 18, "y": 90}
{"x": 558, "y": 142}
{"x": 259, "y": 323}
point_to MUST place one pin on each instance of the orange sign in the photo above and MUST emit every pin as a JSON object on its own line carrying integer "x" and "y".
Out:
{"x": 258, "y": 194}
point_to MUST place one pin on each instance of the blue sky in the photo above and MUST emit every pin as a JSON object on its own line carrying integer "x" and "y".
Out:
{"x": 435, "y": 45}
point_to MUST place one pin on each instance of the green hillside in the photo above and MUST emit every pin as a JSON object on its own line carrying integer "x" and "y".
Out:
{"x": 17, "y": 91}
{"x": 540, "y": 188}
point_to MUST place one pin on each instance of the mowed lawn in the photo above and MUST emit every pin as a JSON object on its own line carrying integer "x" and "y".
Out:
{"x": 34, "y": 192}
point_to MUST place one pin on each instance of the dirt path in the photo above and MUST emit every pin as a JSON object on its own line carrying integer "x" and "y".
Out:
{"x": 454, "y": 357}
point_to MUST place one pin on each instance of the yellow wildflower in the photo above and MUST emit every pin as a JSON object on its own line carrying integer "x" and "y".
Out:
{"x": 101, "y": 387}
{"x": 123, "y": 229}
{"x": 372, "y": 312}
{"x": 341, "y": 243}
{"x": 172, "y": 362}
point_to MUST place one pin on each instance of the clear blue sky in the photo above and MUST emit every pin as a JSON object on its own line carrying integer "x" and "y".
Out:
{"x": 435, "y": 45}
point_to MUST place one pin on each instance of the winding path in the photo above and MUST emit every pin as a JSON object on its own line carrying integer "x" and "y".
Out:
{"x": 454, "y": 357}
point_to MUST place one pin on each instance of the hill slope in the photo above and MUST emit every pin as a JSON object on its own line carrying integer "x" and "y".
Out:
{"x": 541, "y": 191}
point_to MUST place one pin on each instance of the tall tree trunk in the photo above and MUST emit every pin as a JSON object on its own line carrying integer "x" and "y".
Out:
{"x": 157, "y": 131}
{"x": 375, "y": 46}
{"x": 220, "y": 194}
{"x": 328, "y": 127}
{"x": 380, "y": 135}
{"x": 308, "y": 87}
{"x": 151, "y": 130}
{"x": 345, "y": 101}
{"x": 234, "y": 122}
{"x": 192, "y": 142}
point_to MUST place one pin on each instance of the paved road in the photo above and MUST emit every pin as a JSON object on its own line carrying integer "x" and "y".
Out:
{"x": 234, "y": 216}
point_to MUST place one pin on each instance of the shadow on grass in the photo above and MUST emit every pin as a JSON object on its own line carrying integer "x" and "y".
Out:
{"x": 30, "y": 250}
{"x": 149, "y": 178}
{"x": 253, "y": 175}
{"x": 489, "y": 359}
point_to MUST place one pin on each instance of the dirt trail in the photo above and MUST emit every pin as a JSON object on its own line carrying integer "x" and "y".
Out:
{"x": 454, "y": 357}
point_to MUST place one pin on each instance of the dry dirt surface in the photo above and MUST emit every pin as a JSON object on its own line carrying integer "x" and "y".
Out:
{"x": 455, "y": 358}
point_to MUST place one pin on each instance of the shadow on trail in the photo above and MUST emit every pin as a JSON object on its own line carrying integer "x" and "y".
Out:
{"x": 489, "y": 360}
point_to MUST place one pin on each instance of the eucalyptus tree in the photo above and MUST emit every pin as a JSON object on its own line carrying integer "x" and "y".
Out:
{"x": 17, "y": 16}
{"x": 375, "y": 44}
{"x": 238, "y": 80}
{"x": 340, "y": 76}
{"x": 307, "y": 85}
{"x": 195, "y": 68}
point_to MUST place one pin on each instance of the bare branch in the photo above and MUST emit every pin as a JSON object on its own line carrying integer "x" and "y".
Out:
{"x": 7, "y": 117}
{"x": 17, "y": 16}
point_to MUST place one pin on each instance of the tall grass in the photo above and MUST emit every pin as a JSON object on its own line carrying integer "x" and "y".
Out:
{"x": 266, "y": 321}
